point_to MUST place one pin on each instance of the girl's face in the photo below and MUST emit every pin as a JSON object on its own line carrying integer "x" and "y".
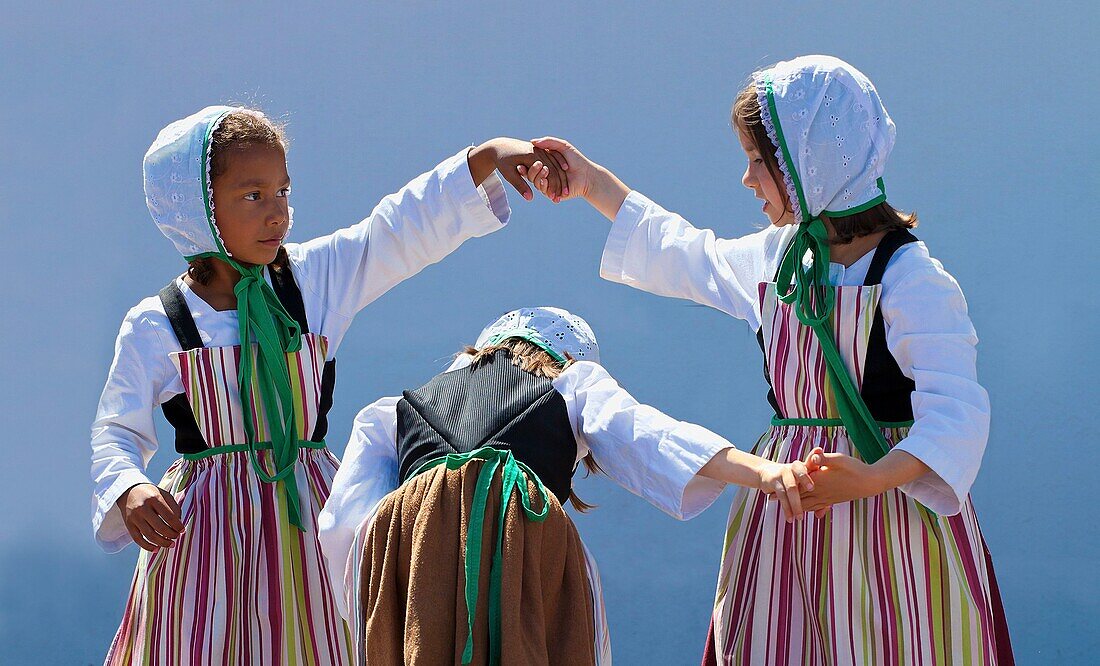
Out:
{"x": 251, "y": 205}
{"x": 759, "y": 179}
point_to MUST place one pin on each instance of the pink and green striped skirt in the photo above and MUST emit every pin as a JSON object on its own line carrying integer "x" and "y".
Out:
{"x": 242, "y": 585}
{"x": 881, "y": 580}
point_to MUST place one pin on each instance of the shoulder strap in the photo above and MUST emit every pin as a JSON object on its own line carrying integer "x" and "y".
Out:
{"x": 886, "y": 390}
{"x": 286, "y": 288}
{"x": 177, "y": 410}
{"x": 179, "y": 316}
{"x": 889, "y": 244}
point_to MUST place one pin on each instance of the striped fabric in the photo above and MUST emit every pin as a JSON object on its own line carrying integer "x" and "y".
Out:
{"x": 876, "y": 581}
{"x": 241, "y": 585}
{"x": 795, "y": 363}
{"x": 209, "y": 377}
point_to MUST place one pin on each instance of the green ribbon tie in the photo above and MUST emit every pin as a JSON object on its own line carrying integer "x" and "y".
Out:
{"x": 515, "y": 476}
{"x": 807, "y": 289}
{"x": 263, "y": 317}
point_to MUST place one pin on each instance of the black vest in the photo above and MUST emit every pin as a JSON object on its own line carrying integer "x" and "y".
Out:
{"x": 886, "y": 390}
{"x": 494, "y": 404}
{"x": 178, "y": 410}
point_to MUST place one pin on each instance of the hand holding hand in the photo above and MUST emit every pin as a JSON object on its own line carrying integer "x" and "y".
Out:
{"x": 840, "y": 478}
{"x": 788, "y": 483}
{"x": 578, "y": 166}
{"x": 151, "y": 516}
{"x": 516, "y": 159}
{"x": 588, "y": 180}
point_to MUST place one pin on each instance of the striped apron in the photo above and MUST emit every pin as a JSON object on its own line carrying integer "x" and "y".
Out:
{"x": 242, "y": 585}
{"x": 876, "y": 581}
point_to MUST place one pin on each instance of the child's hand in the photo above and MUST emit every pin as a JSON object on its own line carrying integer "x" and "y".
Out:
{"x": 589, "y": 180}
{"x": 151, "y": 515}
{"x": 578, "y": 167}
{"x": 788, "y": 483}
{"x": 516, "y": 159}
{"x": 840, "y": 478}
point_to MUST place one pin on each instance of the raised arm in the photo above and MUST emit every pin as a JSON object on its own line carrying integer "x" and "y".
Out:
{"x": 658, "y": 251}
{"x": 418, "y": 225}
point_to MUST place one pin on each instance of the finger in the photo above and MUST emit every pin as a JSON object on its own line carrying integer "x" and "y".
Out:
{"x": 821, "y": 513}
{"x": 560, "y": 159}
{"x": 815, "y": 458}
{"x": 535, "y": 174}
{"x": 544, "y": 180}
{"x": 552, "y": 143}
{"x": 564, "y": 171}
{"x": 794, "y": 499}
{"x": 804, "y": 481}
{"x": 784, "y": 501}
{"x": 517, "y": 181}
{"x": 552, "y": 174}
{"x": 541, "y": 182}
{"x": 170, "y": 515}
{"x": 150, "y": 533}
{"x": 135, "y": 534}
{"x": 563, "y": 167}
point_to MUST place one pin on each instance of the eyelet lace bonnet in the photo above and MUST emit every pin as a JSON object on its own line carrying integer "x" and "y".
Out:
{"x": 560, "y": 333}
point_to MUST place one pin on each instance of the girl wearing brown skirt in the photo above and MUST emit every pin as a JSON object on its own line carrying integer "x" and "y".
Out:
{"x": 446, "y": 525}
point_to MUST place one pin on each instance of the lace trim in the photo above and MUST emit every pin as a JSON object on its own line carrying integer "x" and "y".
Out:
{"x": 769, "y": 127}
{"x": 212, "y": 222}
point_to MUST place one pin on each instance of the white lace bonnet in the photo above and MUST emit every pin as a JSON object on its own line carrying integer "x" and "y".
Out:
{"x": 177, "y": 182}
{"x": 831, "y": 131}
{"x": 562, "y": 334}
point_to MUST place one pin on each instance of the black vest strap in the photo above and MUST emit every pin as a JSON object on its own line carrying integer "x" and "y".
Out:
{"x": 179, "y": 316}
{"x": 178, "y": 410}
{"x": 886, "y": 389}
{"x": 286, "y": 288}
{"x": 494, "y": 404}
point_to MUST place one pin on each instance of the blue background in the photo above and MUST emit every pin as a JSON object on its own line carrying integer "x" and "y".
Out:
{"x": 994, "y": 104}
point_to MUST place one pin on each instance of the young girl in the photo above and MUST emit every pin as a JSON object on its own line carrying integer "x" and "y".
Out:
{"x": 231, "y": 570}
{"x": 870, "y": 356}
{"x": 435, "y": 570}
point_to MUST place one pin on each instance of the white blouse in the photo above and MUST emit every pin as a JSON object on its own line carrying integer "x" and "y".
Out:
{"x": 928, "y": 330}
{"x": 645, "y": 451}
{"x": 338, "y": 275}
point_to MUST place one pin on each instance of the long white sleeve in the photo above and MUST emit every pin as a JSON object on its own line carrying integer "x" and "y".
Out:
{"x": 368, "y": 472}
{"x": 124, "y": 437}
{"x": 642, "y": 449}
{"x": 929, "y": 333}
{"x": 417, "y": 226}
{"x": 658, "y": 251}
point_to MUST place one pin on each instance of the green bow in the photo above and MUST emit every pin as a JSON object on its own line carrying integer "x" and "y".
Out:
{"x": 262, "y": 316}
{"x": 515, "y": 475}
{"x": 803, "y": 282}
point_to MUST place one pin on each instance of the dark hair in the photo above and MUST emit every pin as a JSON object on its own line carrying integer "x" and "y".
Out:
{"x": 239, "y": 130}
{"x": 529, "y": 357}
{"x": 745, "y": 116}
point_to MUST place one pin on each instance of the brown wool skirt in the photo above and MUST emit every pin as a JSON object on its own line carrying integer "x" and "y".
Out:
{"x": 412, "y": 590}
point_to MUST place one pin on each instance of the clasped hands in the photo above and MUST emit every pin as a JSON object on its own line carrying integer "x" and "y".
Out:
{"x": 815, "y": 484}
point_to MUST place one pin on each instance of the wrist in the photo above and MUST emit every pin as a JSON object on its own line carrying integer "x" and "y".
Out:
{"x": 121, "y": 501}
{"x": 877, "y": 479}
{"x": 605, "y": 192}
{"x": 482, "y": 160}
